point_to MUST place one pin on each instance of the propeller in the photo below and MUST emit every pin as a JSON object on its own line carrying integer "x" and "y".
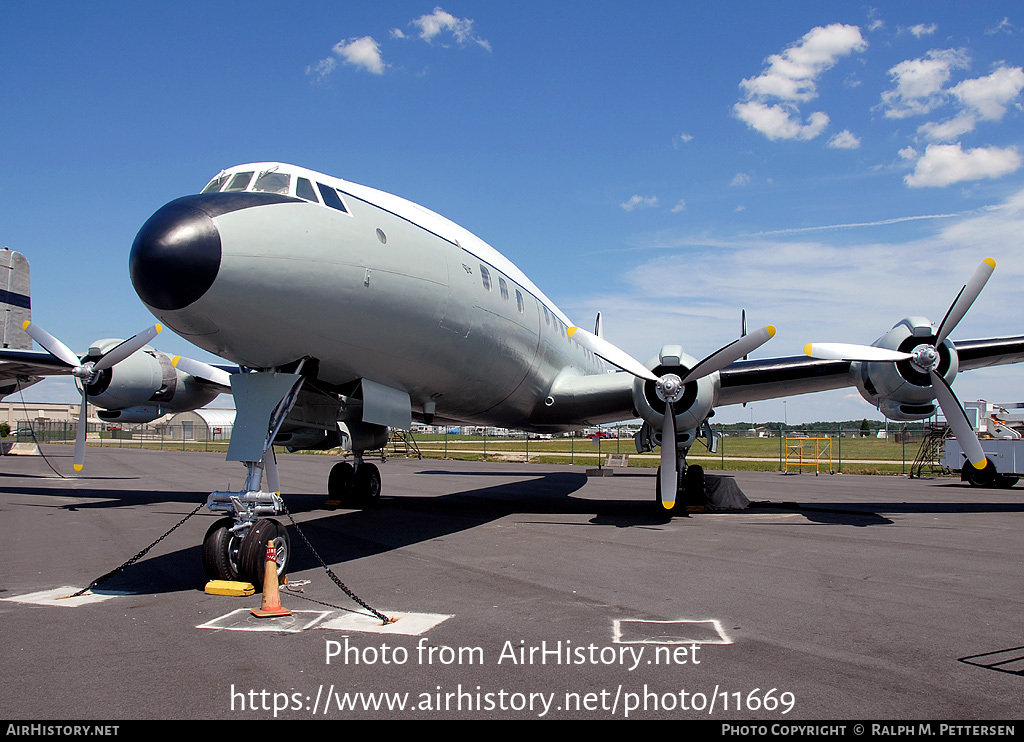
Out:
{"x": 925, "y": 358}
{"x": 201, "y": 370}
{"x": 86, "y": 371}
{"x": 670, "y": 388}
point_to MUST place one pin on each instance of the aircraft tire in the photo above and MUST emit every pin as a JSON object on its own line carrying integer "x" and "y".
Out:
{"x": 221, "y": 551}
{"x": 339, "y": 484}
{"x": 253, "y": 553}
{"x": 693, "y": 485}
{"x": 366, "y": 485}
{"x": 987, "y": 477}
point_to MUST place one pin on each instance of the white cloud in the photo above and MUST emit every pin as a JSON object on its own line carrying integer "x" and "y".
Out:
{"x": 920, "y": 82}
{"x": 682, "y": 138}
{"x": 362, "y": 52}
{"x": 681, "y": 206}
{"x": 780, "y": 122}
{"x": 639, "y": 202}
{"x": 945, "y": 164}
{"x": 1004, "y": 26}
{"x": 740, "y": 179}
{"x": 923, "y": 30}
{"x": 791, "y": 78}
{"x": 323, "y": 68}
{"x": 845, "y": 139}
{"x": 947, "y": 131}
{"x": 791, "y": 75}
{"x": 434, "y": 25}
{"x": 990, "y": 95}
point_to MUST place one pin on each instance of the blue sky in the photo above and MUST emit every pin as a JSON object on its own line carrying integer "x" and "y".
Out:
{"x": 831, "y": 168}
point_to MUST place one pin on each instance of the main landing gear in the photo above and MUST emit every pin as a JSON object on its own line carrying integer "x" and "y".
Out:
{"x": 355, "y": 486}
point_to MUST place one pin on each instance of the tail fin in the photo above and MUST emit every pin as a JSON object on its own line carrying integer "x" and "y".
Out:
{"x": 15, "y": 301}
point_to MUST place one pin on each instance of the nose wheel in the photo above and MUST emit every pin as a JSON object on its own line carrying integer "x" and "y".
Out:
{"x": 236, "y": 552}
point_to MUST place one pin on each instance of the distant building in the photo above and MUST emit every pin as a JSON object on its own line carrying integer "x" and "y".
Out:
{"x": 197, "y": 425}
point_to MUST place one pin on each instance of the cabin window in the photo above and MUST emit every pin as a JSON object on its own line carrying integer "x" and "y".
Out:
{"x": 214, "y": 185}
{"x": 272, "y": 182}
{"x": 331, "y": 197}
{"x": 304, "y": 189}
{"x": 503, "y": 287}
{"x": 519, "y": 302}
{"x": 485, "y": 276}
{"x": 239, "y": 182}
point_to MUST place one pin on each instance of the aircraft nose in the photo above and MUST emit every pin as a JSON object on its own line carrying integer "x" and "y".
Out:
{"x": 176, "y": 255}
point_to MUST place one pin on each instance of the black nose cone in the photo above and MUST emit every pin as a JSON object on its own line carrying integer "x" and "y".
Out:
{"x": 176, "y": 255}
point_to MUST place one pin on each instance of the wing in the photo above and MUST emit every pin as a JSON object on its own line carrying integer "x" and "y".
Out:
{"x": 750, "y": 381}
{"x": 21, "y": 368}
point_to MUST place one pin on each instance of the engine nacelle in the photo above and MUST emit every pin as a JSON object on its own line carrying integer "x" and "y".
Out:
{"x": 138, "y": 414}
{"x": 691, "y": 410}
{"x": 143, "y": 383}
{"x": 130, "y": 383}
{"x": 901, "y": 390}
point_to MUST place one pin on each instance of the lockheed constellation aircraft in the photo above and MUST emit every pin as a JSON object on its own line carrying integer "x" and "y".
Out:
{"x": 350, "y": 310}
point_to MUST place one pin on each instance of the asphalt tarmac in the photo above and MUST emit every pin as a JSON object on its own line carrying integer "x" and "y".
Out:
{"x": 522, "y": 591}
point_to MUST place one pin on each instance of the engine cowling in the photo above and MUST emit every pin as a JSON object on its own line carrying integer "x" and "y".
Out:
{"x": 691, "y": 410}
{"x": 902, "y": 390}
{"x": 143, "y": 386}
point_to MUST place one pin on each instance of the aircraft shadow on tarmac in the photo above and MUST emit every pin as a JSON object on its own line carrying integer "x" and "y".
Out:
{"x": 404, "y": 520}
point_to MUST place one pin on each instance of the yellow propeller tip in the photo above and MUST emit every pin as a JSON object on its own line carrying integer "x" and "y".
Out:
{"x": 668, "y": 505}
{"x": 771, "y": 330}
{"x": 159, "y": 328}
{"x": 990, "y": 262}
{"x": 572, "y": 330}
{"x": 174, "y": 361}
{"x": 25, "y": 324}
{"x": 78, "y": 467}
{"x": 979, "y": 464}
{"x": 807, "y": 349}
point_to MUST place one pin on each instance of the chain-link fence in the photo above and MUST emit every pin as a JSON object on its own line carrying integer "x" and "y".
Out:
{"x": 852, "y": 450}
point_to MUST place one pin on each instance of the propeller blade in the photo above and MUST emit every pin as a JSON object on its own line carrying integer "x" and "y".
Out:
{"x": 965, "y": 299}
{"x": 852, "y": 352}
{"x": 202, "y": 370}
{"x": 734, "y": 351}
{"x": 119, "y": 352}
{"x": 83, "y": 420}
{"x": 612, "y": 354}
{"x": 669, "y": 478}
{"x": 957, "y": 420}
{"x": 51, "y": 344}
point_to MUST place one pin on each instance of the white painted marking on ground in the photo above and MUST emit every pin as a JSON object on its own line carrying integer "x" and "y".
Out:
{"x": 52, "y": 597}
{"x": 639, "y": 631}
{"x": 243, "y": 620}
{"x": 408, "y": 624}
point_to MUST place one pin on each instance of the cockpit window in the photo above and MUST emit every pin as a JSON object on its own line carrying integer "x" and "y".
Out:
{"x": 304, "y": 189}
{"x": 239, "y": 182}
{"x": 214, "y": 185}
{"x": 272, "y": 182}
{"x": 331, "y": 197}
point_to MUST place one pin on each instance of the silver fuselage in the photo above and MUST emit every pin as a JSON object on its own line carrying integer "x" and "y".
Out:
{"x": 391, "y": 292}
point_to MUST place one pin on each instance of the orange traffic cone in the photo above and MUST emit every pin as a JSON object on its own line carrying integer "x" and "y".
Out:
{"x": 271, "y": 604}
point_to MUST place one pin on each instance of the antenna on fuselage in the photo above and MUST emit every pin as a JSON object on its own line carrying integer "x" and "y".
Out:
{"x": 599, "y": 326}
